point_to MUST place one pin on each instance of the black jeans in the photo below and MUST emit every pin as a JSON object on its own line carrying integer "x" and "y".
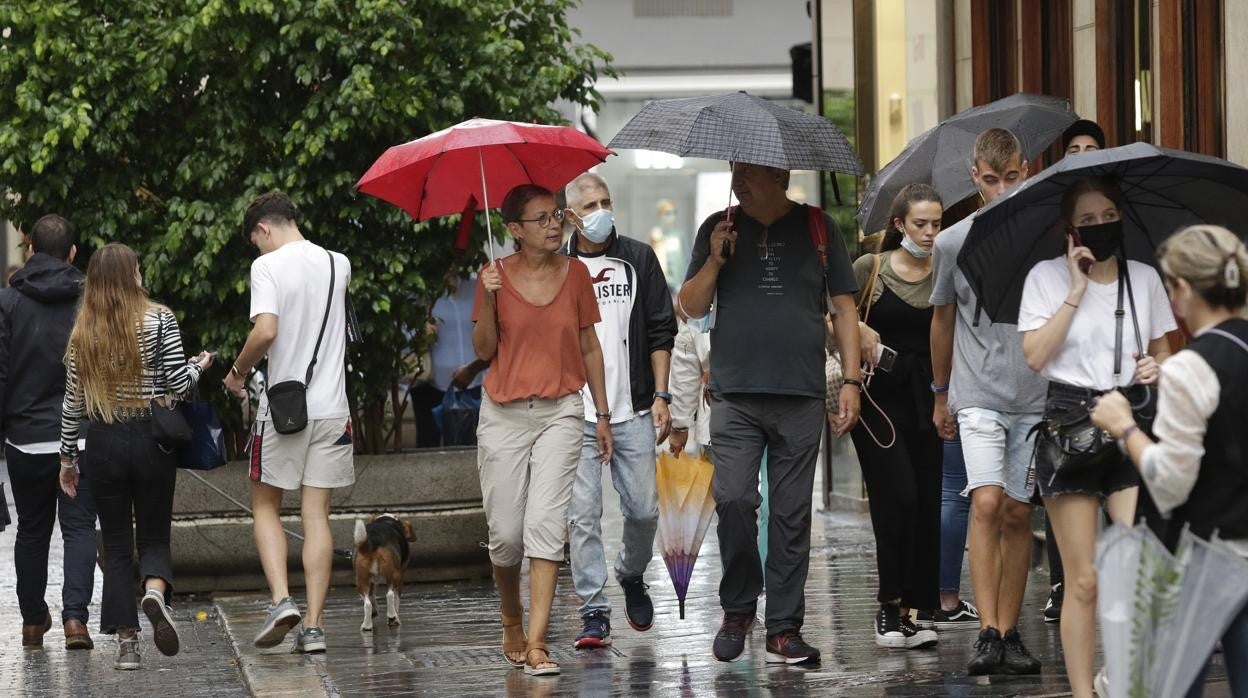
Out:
{"x": 904, "y": 494}
{"x": 133, "y": 481}
{"x": 40, "y": 502}
{"x": 790, "y": 429}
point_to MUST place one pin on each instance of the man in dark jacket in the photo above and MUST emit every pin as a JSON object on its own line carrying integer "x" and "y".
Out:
{"x": 36, "y": 315}
{"x": 636, "y": 333}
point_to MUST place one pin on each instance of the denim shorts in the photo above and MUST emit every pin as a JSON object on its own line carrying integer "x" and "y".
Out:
{"x": 998, "y": 449}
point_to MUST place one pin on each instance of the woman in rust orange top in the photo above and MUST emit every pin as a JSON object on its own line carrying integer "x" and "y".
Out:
{"x": 535, "y": 315}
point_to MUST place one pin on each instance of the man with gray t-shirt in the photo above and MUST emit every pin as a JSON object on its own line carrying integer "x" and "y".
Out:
{"x": 768, "y": 281}
{"x": 982, "y": 380}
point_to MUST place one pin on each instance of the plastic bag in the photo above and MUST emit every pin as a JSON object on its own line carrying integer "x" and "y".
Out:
{"x": 206, "y": 450}
{"x": 460, "y": 410}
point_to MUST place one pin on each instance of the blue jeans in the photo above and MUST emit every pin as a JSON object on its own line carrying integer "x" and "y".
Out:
{"x": 632, "y": 473}
{"x": 955, "y": 509}
{"x": 1234, "y": 656}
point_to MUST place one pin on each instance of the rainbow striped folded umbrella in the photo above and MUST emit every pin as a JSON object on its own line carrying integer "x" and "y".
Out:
{"x": 685, "y": 509}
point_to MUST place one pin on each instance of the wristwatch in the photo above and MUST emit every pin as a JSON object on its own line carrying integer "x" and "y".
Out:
{"x": 938, "y": 389}
{"x": 603, "y": 415}
{"x": 664, "y": 396}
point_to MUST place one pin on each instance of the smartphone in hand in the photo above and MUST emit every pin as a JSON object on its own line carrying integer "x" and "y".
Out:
{"x": 885, "y": 358}
{"x": 1073, "y": 233}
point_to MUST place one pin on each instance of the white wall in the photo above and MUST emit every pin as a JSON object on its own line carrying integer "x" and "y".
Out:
{"x": 1083, "y": 58}
{"x": 758, "y": 34}
{"x": 1235, "y": 26}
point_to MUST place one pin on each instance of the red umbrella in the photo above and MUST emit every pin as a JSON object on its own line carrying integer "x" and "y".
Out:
{"x": 444, "y": 172}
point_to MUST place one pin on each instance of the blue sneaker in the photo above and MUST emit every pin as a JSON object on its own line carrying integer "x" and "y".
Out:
{"x": 596, "y": 632}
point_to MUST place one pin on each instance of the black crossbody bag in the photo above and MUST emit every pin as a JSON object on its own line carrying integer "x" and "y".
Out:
{"x": 169, "y": 426}
{"x": 288, "y": 400}
{"x": 1071, "y": 441}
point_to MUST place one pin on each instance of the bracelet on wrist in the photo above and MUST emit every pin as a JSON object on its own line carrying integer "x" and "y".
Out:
{"x": 1076, "y": 307}
{"x": 939, "y": 389}
{"x": 663, "y": 395}
{"x": 235, "y": 371}
{"x": 1126, "y": 433}
{"x": 854, "y": 382}
{"x": 603, "y": 415}
{"x": 679, "y": 430}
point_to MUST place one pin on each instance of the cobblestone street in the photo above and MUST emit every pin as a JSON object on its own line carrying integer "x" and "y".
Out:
{"x": 449, "y": 644}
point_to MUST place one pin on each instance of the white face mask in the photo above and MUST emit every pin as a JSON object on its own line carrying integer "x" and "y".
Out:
{"x": 598, "y": 226}
{"x": 913, "y": 248}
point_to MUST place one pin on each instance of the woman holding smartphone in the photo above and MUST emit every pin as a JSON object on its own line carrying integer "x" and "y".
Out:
{"x": 903, "y": 478}
{"x": 1091, "y": 324}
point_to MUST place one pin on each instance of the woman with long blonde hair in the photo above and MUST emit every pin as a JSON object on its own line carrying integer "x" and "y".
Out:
{"x": 125, "y": 350}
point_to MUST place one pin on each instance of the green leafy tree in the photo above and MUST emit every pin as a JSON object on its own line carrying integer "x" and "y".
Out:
{"x": 155, "y": 123}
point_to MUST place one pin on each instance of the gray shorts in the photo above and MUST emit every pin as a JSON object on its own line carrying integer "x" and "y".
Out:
{"x": 322, "y": 455}
{"x": 998, "y": 448}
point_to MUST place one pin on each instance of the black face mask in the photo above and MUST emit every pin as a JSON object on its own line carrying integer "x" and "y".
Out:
{"x": 1102, "y": 240}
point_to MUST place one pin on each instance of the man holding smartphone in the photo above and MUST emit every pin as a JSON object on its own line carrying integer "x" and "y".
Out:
{"x": 986, "y": 393}
{"x": 768, "y": 391}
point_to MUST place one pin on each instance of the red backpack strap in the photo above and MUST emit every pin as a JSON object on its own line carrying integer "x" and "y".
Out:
{"x": 818, "y": 229}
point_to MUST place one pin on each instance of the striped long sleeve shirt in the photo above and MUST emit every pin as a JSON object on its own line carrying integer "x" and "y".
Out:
{"x": 175, "y": 376}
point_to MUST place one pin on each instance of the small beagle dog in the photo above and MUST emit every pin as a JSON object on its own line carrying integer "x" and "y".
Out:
{"x": 381, "y": 554}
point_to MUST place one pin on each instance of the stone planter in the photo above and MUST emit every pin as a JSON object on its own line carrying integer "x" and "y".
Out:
{"x": 437, "y": 490}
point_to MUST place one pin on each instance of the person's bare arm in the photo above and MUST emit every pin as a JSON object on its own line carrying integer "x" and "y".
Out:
{"x": 845, "y": 325}
{"x": 596, "y": 378}
{"x": 263, "y": 332}
{"x": 697, "y": 293}
{"x": 941, "y": 342}
{"x": 485, "y": 332}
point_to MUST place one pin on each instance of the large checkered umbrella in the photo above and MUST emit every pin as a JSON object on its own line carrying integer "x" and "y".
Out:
{"x": 740, "y": 127}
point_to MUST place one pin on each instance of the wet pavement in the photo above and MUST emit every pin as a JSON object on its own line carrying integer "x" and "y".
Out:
{"x": 449, "y": 643}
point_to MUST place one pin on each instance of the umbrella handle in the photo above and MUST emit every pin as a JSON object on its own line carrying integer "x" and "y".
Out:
{"x": 682, "y": 609}
{"x": 485, "y": 193}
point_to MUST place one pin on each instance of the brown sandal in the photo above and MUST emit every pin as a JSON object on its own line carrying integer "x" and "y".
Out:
{"x": 551, "y": 668}
{"x": 519, "y": 646}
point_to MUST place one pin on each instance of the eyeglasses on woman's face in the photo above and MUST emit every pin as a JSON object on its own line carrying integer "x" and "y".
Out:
{"x": 545, "y": 219}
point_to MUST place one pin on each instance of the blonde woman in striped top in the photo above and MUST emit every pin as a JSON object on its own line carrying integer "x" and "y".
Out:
{"x": 125, "y": 350}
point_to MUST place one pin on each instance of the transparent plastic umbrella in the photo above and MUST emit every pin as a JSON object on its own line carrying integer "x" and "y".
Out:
{"x": 1213, "y": 588}
{"x": 685, "y": 510}
{"x": 1137, "y": 583}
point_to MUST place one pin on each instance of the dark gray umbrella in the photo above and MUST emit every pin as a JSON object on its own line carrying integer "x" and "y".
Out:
{"x": 941, "y": 156}
{"x": 740, "y": 127}
{"x": 1164, "y": 191}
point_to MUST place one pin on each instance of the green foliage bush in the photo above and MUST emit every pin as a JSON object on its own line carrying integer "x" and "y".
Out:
{"x": 154, "y": 123}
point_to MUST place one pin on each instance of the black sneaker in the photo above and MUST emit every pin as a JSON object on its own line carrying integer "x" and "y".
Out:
{"x": 964, "y": 617}
{"x": 596, "y": 631}
{"x": 895, "y": 632}
{"x": 1053, "y": 609}
{"x": 989, "y": 653}
{"x": 1017, "y": 659}
{"x": 788, "y": 647}
{"x": 730, "y": 640}
{"x": 923, "y": 637}
{"x": 923, "y": 620}
{"x": 638, "y": 607}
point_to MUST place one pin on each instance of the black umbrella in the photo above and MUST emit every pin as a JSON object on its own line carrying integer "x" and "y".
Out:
{"x": 1164, "y": 189}
{"x": 941, "y": 156}
{"x": 741, "y": 128}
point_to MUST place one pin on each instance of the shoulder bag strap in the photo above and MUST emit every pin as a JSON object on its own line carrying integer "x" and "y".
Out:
{"x": 1233, "y": 338}
{"x": 818, "y": 230}
{"x": 865, "y": 303}
{"x": 159, "y": 368}
{"x": 325, "y": 320}
{"x": 1118, "y": 317}
{"x": 1135, "y": 318}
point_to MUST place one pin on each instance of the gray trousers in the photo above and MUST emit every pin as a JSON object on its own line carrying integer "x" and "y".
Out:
{"x": 790, "y": 429}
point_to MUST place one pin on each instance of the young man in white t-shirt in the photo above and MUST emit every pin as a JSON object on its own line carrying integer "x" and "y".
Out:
{"x": 297, "y": 315}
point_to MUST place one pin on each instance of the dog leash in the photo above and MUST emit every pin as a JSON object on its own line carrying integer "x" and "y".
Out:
{"x": 342, "y": 553}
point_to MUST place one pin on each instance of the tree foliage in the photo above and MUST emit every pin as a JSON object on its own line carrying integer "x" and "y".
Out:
{"x": 154, "y": 123}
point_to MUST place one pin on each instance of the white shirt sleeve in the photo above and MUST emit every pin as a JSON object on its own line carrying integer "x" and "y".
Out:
{"x": 1187, "y": 397}
{"x": 1161, "y": 319}
{"x": 685, "y": 378}
{"x": 263, "y": 289}
{"x": 1039, "y": 303}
